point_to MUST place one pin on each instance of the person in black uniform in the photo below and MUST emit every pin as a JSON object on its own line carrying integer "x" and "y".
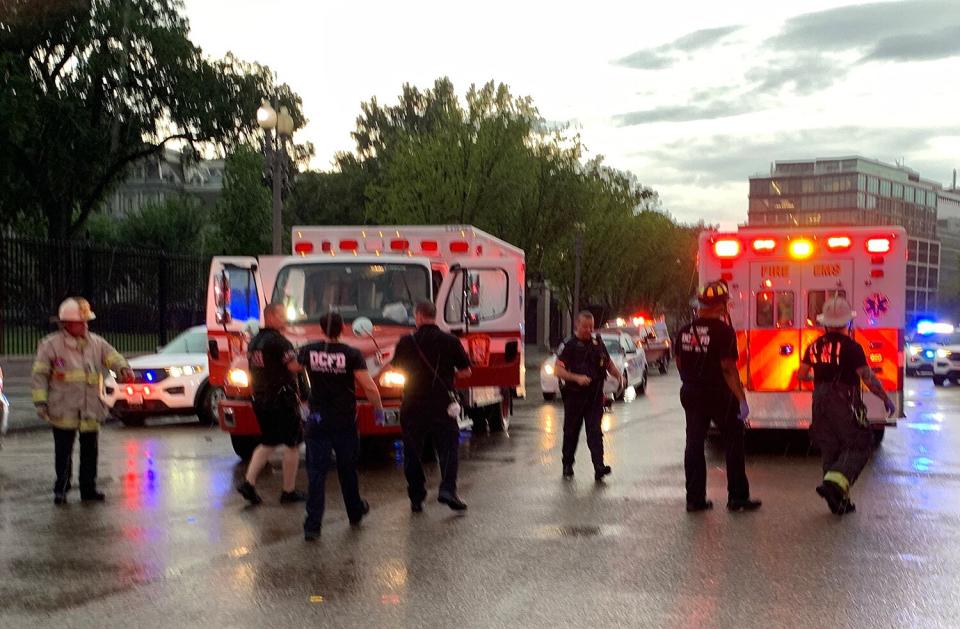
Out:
{"x": 335, "y": 371}
{"x": 706, "y": 355}
{"x": 273, "y": 367}
{"x": 431, "y": 360}
{"x": 583, "y": 363}
{"x": 837, "y": 364}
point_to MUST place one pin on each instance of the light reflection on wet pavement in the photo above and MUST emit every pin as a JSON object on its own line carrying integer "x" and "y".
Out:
{"x": 175, "y": 546}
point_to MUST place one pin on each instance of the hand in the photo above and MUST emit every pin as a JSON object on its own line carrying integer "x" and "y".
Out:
{"x": 744, "y": 411}
{"x": 583, "y": 380}
{"x": 43, "y": 412}
{"x": 890, "y": 407}
{"x": 379, "y": 417}
{"x": 126, "y": 375}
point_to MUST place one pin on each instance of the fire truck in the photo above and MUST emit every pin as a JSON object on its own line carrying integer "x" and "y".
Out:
{"x": 779, "y": 279}
{"x": 374, "y": 276}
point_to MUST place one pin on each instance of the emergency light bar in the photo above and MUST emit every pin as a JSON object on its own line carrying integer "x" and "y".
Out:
{"x": 801, "y": 249}
{"x": 929, "y": 327}
{"x": 764, "y": 245}
{"x": 727, "y": 248}
{"x": 839, "y": 243}
{"x": 303, "y": 248}
{"x": 878, "y": 245}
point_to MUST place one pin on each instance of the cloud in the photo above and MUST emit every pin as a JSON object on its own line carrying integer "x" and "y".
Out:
{"x": 683, "y": 113}
{"x": 918, "y": 47}
{"x": 668, "y": 54}
{"x": 805, "y": 73}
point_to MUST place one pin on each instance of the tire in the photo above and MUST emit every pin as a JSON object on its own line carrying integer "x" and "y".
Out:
{"x": 244, "y": 445}
{"x": 496, "y": 416}
{"x": 478, "y": 415}
{"x": 207, "y": 402}
{"x": 623, "y": 391}
{"x": 549, "y": 396}
{"x": 641, "y": 388}
{"x": 939, "y": 380}
{"x": 132, "y": 420}
{"x": 878, "y": 435}
{"x": 663, "y": 367}
{"x": 954, "y": 380}
{"x": 912, "y": 373}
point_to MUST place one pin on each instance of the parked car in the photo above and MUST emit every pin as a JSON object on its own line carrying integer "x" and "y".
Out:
{"x": 630, "y": 360}
{"x": 656, "y": 343}
{"x": 947, "y": 365}
{"x": 4, "y": 409}
{"x": 174, "y": 381}
{"x": 922, "y": 351}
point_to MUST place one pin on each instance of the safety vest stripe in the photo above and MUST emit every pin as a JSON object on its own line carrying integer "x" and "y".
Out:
{"x": 75, "y": 376}
{"x": 39, "y": 396}
{"x": 40, "y": 366}
{"x": 114, "y": 360}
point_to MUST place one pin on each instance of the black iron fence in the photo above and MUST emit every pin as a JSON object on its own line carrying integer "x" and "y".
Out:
{"x": 141, "y": 297}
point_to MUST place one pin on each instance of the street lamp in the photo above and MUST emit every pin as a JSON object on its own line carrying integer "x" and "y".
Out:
{"x": 277, "y": 127}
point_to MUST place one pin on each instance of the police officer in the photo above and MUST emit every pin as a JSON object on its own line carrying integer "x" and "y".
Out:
{"x": 66, "y": 379}
{"x": 706, "y": 355}
{"x": 273, "y": 365}
{"x": 582, "y": 364}
{"x": 335, "y": 370}
{"x": 837, "y": 364}
{"x": 431, "y": 360}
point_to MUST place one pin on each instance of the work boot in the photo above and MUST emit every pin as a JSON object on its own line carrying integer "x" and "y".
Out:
{"x": 743, "y": 505}
{"x": 833, "y": 494}
{"x": 92, "y": 496}
{"x": 846, "y": 507}
{"x": 364, "y": 511}
{"x": 311, "y": 536}
{"x": 416, "y": 506}
{"x": 60, "y": 499}
{"x": 700, "y": 505}
{"x": 453, "y": 501}
{"x": 249, "y": 492}
{"x": 290, "y": 497}
{"x": 568, "y": 471}
{"x": 603, "y": 470}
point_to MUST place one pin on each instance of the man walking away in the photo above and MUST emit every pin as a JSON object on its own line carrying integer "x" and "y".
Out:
{"x": 335, "y": 371}
{"x": 706, "y": 355}
{"x": 431, "y": 360}
{"x": 837, "y": 364}
{"x": 273, "y": 365}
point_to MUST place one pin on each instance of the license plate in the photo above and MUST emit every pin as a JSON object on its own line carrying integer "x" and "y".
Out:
{"x": 135, "y": 400}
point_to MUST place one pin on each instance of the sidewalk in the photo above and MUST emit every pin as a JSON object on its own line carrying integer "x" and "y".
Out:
{"x": 16, "y": 386}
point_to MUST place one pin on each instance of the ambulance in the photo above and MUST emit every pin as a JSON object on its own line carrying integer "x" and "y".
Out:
{"x": 779, "y": 279}
{"x": 374, "y": 276}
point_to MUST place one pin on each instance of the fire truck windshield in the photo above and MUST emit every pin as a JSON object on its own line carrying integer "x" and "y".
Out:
{"x": 384, "y": 293}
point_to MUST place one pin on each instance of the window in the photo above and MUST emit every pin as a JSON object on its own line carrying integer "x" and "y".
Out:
{"x": 898, "y": 191}
{"x": 908, "y": 194}
{"x": 911, "y": 299}
{"x": 934, "y": 276}
{"x": 775, "y": 309}
{"x": 934, "y": 253}
{"x": 873, "y": 185}
{"x": 912, "y": 250}
{"x": 884, "y": 188}
{"x": 244, "y": 299}
{"x": 486, "y": 291}
{"x": 815, "y": 301}
{"x": 190, "y": 342}
{"x": 911, "y": 275}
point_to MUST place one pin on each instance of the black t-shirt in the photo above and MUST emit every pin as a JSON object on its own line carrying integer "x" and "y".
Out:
{"x": 445, "y": 355}
{"x": 331, "y": 368}
{"x": 269, "y": 353}
{"x": 835, "y": 357}
{"x": 587, "y": 358}
{"x": 700, "y": 347}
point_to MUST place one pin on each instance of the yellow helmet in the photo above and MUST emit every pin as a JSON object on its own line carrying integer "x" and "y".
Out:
{"x": 75, "y": 309}
{"x": 714, "y": 293}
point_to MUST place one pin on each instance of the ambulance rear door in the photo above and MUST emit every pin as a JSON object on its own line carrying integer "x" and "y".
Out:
{"x": 773, "y": 326}
{"x": 822, "y": 280}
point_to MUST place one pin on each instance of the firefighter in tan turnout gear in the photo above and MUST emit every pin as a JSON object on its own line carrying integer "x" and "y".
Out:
{"x": 67, "y": 379}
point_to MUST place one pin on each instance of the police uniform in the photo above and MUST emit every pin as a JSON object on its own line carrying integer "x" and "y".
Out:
{"x": 275, "y": 400}
{"x": 429, "y": 358}
{"x": 583, "y": 405}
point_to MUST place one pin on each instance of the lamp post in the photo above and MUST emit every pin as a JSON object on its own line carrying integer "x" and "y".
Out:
{"x": 277, "y": 128}
{"x": 578, "y": 251}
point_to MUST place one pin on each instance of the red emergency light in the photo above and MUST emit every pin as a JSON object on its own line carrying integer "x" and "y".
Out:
{"x": 459, "y": 246}
{"x": 349, "y": 245}
{"x": 727, "y": 248}
{"x": 399, "y": 245}
{"x": 303, "y": 248}
{"x": 764, "y": 245}
{"x": 429, "y": 246}
{"x": 839, "y": 243}
{"x": 879, "y": 245}
{"x": 325, "y": 246}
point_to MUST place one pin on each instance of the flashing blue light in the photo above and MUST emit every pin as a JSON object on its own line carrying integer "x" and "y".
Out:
{"x": 149, "y": 376}
{"x": 929, "y": 353}
{"x": 931, "y": 327}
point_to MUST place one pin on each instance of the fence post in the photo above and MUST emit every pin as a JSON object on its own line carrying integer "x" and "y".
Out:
{"x": 3, "y": 295}
{"x": 162, "y": 296}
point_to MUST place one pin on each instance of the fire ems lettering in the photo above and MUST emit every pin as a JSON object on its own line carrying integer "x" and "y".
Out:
{"x": 696, "y": 341}
{"x": 826, "y": 270}
{"x": 328, "y": 363}
{"x": 775, "y": 270}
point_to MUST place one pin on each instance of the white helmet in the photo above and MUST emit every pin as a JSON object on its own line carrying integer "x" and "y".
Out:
{"x": 76, "y": 309}
{"x": 837, "y": 313}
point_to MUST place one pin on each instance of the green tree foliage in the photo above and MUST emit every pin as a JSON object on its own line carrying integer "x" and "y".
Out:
{"x": 243, "y": 213}
{"x": 87, "y": 87}
{"x": 178, "y": 225}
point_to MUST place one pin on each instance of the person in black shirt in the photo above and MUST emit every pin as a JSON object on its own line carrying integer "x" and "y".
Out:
{"x": 706, "y": 355}
{"x": 335, "y": 371}
{"x": 431, "y": 360}
{"x": 273, "y": 365}
{"x": 583, "y": 364}
{"x": 836, "y": 364}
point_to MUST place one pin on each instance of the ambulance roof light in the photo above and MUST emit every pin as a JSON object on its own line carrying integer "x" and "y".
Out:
{"x": 303, "y": 248}
{"x": 348, "y": 245}
{"x": 878, "y": 245}
{"x": 839, "y": 243}
{"x": 764, "y": 245}
{"x": 727, "y": 248}
{"x": 801, "y": 249}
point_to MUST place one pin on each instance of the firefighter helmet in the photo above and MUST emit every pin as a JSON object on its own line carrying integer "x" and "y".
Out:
{"x": 76, "y": 309}
{"x": 714, "y": 294}
{"x": 837, "y": 313}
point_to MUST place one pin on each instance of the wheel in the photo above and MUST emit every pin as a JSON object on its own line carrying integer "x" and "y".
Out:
{"x": 208, "y": 403}
{"x": 549, "y": 396}
{"x": 878, "y": 435}
{"x": 244, "y": 445}
{"x": 132, "y": 420}
{"x": 911, "y": 373}
{"x": 478, "y": 415}
{"x": 641, "y": 388}
{"x": 954, "y": 380}
{"x": 662, "y": 367}
{"x": 939, "y": 380}
{"x": 623, "y": 390}
{"x": 496, "y": 415}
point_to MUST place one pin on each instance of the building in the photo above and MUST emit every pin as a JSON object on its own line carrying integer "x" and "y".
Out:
{"x": 948, "y": 232}
{"x": 166, "y": 175}
{"x": 858, "y": 191}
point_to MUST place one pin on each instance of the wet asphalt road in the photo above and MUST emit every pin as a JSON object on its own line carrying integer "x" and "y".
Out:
{"x": 175, "y": 545}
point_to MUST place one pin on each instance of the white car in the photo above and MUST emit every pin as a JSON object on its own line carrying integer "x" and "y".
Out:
{"x": 170, "y": 382}
{"x": 946, "y": 365}
{"x": 629, "y": 359}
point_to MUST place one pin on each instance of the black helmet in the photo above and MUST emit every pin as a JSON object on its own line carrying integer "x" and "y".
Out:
{"x": 714, "y": 293}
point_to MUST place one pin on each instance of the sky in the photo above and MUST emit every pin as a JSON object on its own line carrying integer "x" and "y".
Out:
{"x": 693, "y": 97}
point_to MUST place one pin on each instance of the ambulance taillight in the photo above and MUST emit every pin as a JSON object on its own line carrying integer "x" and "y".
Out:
{"x": 727, "y": 248}
{"x": 839, "y": 243}
{"x": 764, "y": 245}
{"x": 879, "y": 245}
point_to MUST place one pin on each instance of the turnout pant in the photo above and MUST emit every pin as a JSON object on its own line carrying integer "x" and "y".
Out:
{"x": 418, "y": 426}
{"x": 583, "y": 409}
{"x": 63, "y": 459}
{"x": 703, "y": 406}
{"x": 320, "y": 444}
{"x": 845, "y": 445}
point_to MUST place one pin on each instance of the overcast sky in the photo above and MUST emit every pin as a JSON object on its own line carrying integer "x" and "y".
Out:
{"x": 691, "y": 96}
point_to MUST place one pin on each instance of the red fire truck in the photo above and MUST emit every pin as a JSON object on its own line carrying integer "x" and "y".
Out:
{"x": 374, "y": 276}
{"x": 779, "y": 279}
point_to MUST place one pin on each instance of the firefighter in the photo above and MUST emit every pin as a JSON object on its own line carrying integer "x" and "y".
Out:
{"x": 837, "y": 365}
{"x": 67, "y": 379}
{"x": 706, "y": 355}
{"x": 583, "y": 363}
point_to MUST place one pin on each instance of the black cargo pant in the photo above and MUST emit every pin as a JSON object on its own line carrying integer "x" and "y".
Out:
{"x": 321, "y": 442}
{"x": 63, "y": 459}
{"x": 420, "y": 425}
{"x": 845, "y": 446}
{"x": 583, "y": 408}
{"x": 703, "y": 405}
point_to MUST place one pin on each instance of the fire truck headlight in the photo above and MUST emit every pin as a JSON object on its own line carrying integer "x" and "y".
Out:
{"x": 239, "y": 378}
{"x": 393, "y": 379}
{"x": 943, "y": 353}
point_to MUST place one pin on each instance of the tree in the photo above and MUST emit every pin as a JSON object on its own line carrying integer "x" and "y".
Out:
{"x": 243, "y": 212}
{"x": 87, "y": 87}
{"x": 178, "y": 225}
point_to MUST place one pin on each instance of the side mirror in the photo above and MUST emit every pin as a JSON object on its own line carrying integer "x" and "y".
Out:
{"x": 362, "y": 326}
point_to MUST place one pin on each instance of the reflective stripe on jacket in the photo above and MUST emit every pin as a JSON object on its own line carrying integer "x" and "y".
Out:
{"x": 68, "y": 378}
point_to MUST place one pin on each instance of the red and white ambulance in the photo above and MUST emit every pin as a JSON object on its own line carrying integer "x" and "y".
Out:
{"x": 779, "y": 279}
{"x": 374, "y": 276}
